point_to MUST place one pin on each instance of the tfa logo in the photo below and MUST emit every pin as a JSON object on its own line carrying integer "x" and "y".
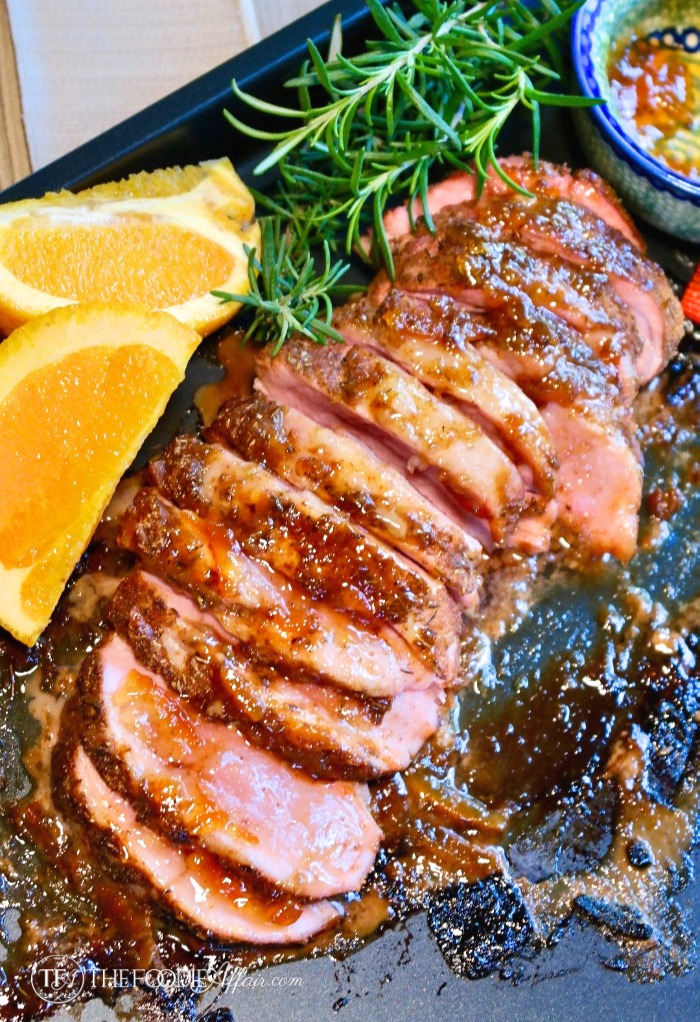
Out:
{"x": 57, "y": 979}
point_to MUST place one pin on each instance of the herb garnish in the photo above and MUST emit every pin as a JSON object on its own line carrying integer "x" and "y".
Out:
{"x": 287, "y": 291}
{"x": 435, "y": 90}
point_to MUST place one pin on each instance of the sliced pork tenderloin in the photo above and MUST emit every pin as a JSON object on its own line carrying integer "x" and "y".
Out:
{"x": 412, "y": 333}
{"x": 402, "y": 421}
{"x": 593, "y": 428}
{"x": 325, "y": 730}
{"x": 217, "y": 901}
{"x": 583, "y": 188}
{"x": 600, "y": 485}
{"x": 333, "y": 560}
{"x": 315, "y": 838}
{"x": 545, "y": 312}
{"x": 254, "y": 605}
{"x": 283, "y": 383}
{"x": 577, "y": 216}
{"x": 349, "y": 476}
{"x": 463, "y": 262}
{"x": 579, "y": 397}
{"x": 555, "y": 227}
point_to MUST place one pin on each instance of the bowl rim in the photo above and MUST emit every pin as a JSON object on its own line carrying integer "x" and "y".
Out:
{"x": 654, "y": 170}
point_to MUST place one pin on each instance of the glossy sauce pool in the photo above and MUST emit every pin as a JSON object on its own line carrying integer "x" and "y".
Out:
{"x": 562, "y": 782}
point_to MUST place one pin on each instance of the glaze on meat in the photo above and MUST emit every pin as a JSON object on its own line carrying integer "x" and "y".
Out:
{"x": 346, "y": 474}
{"x": 292, "y": 624}
{"x": 330, "y": 732}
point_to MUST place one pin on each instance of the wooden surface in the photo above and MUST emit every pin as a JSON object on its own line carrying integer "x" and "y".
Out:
{"x": 14, "y": 152}
{"x": 70, "y": 69}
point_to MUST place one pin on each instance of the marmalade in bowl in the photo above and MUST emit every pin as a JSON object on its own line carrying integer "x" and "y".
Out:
{"x": 655, "y": 91}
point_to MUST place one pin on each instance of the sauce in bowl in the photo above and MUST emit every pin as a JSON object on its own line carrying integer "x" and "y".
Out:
{"x": 655, "y": 91}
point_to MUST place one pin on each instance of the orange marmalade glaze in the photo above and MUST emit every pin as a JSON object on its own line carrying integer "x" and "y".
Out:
{"x": 655, "y": 92}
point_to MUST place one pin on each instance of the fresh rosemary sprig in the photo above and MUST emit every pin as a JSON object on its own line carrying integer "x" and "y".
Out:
{"x": 434, "y": 90}
{"x": 288, "y": 293}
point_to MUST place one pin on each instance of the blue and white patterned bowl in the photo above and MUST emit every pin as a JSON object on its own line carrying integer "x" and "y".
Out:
{"x": 661, "y": 196}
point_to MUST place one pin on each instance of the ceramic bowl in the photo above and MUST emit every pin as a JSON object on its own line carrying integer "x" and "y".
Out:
{"x": 659, "y": 195}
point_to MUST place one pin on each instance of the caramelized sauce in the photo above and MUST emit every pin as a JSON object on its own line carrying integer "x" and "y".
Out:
{"x": 656, "y": 94}
{"x": 562, "y": 781}
{"x": 238, "y": 361}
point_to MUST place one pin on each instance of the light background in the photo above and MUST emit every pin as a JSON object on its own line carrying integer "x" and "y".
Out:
{"x": 70, "y": 69}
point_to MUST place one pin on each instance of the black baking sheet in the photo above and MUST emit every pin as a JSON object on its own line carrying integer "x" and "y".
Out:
{"x": 400, "y": 976}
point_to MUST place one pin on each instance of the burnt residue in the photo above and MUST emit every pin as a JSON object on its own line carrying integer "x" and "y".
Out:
{"x": 562, "y": 784}
{"x": 621, "y": 920}
{"x": 479, "y": 926}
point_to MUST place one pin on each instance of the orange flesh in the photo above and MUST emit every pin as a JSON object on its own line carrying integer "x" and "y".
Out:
{"x": 61, "y": 433}
{"x": 151, "y": 262}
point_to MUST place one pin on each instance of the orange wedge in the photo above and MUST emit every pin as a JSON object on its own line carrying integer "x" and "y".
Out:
{"x": 80, "y": 389}
{"x": 163, "y": 240}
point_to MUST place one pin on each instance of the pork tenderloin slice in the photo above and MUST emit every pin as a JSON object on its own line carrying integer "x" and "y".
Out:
{"x": 333, "y": 560}
{"x": 315, "y": 838}
{"x": 600, "y": 476}
{"x": 557, "y": 369}
{"x": 490, "y": 276}
{"x": 433, "y": 434}
{"x": 418, "y": 338}
{"x": 347, "y": 474}
{"x": 583, "y": 188}
{"x": 284, "y": 384}
{"x": 326, "y": 731}
{"x": 533, "y": 533}
{"x": 600, "y": 482}
{"x": 542, "y": 353}
{"x": 256, "y": 606}
{"x": 583, "y": 239}
{"x": 555, "y": 227}
{"x": 217, "y": 901}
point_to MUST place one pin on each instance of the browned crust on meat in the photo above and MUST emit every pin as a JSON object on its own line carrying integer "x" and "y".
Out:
{"x": 582, "y": 233}
{"x": 545, "y": 171}
{"x": 590, "y": 177}
{"x": 255, "y": 428}
{"x": 108, "y": 852}
{"x": 148, "y": 530}
{"x": 143, "y": 619}
{"x": 176, "y": 544}
{"x": 88, "y": 716}
{"x": 68, "y": 801}
{"x": 465, "y": 253}
{"x": 523, "y": 431}
{"x": 354, "y": 377}
{"x": 541, "y": 179}
{"x": 325, "y": 555}
{"x": 179, "y": 474}
{"x": 80, "y": 724}
{"x": 90, "y": 723}
{"x": 516, "y": 284}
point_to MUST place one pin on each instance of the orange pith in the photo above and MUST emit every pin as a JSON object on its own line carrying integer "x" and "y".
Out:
{"x": 132, "y": 260}
{"x": 47, "y": 420}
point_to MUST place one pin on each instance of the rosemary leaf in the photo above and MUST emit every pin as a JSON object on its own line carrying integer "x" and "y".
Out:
{"x": 431, "y": 92}
{"x": 288, "y": 293}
